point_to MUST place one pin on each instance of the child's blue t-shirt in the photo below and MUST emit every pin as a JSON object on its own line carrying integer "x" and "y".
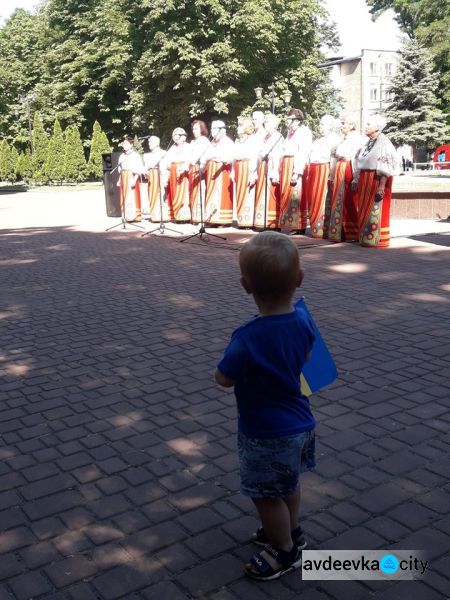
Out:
{"x": 265, "y": 358}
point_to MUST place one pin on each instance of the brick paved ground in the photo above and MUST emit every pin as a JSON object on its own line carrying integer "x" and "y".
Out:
{"x": 118, "y": 476}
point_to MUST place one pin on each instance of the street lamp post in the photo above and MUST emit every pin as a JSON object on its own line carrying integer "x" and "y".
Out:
{"x": 286, "y": 96}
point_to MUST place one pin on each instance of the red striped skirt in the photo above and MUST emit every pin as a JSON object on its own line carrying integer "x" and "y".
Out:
{"x": 130, "y": 200}
{"x": 219, "y": 193}
{"x": 266, "y": 202}
{"x": 318, "y": 199}
{"x": 292, "y": 206}
{"x": 178, "y": 195}
{"x": 245, "y": 195}
{"x": 373, "y": 217}
{"x": 343, "y": 210}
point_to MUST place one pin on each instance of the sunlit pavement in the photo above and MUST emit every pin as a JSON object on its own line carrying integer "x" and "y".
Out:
{"x": 119, "y": 475}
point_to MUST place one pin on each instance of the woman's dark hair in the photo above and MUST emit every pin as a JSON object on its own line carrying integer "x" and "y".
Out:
{"x": 128, "y": 138}
{"x": 203, "y": 128}
{"x": 297, "y": 114}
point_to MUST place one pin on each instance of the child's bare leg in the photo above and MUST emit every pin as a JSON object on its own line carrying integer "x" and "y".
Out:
{"x": 276, "y": 520}
{"x": 293, "y": 505}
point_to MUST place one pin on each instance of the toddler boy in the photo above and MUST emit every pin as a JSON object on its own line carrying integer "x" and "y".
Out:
{"x": 263, "y": 362}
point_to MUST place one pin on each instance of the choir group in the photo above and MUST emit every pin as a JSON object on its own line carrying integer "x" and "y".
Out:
{"x": 340, "y": 182}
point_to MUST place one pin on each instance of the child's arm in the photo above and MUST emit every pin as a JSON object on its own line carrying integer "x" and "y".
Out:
{"x": 222, "y": 379}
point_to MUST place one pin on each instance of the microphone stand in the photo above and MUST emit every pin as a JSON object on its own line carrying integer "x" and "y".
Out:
{"x": 123, "y": 222}
{"x": 266, "y": 184}
{"x": 202, "y": 234}
{"x": 161, "y": 229}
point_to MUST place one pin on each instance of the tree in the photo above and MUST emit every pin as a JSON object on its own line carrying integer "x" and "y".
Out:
{"x": 22, "y": 62}
{"x": 14, "y": 163}
{"x": 40, "y": 145}
{"x": 24, "y": 167}
{"x": 429, "y": 22}
{"x": 54, "y": 162}
{"x": 7, "y": 167}
{"x": 74, "y": 160}
{"x": 205, "y": 57}
{"x": 99, "y": 145}
{"x": 413, "y": 115}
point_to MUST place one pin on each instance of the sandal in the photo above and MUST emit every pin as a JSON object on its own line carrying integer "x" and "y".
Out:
{"x": 260, "y": 538}
{"x": 258, "y": 567}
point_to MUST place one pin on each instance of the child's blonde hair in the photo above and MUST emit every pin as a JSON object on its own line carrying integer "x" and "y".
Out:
{"x": 270, "y": 264}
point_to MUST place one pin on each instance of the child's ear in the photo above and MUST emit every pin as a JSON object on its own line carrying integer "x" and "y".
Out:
{"x": 299, "y": 279}
{"x": 245, "y": 284}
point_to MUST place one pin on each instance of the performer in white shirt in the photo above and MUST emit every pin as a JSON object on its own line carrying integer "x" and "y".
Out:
{"x": 267, "y": 194}
{"x": 295, "y": 150}
{"x": 319, "y": 172}
{"x": 218, "y": 162}
{"x": 176, "y": 161}
{"x": 130, "y": 168}
{"x": 197, "y": 188}
{"x": 343, "y": 212}
{"x": 376, "y": 164}
{"x": 244, "y": 168}
{"x": 153, "y": 160}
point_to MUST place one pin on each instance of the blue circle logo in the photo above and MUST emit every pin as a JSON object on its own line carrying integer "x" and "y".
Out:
{"x": 389, "y": 564}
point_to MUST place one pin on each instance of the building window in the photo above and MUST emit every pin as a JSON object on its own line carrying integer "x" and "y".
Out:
{"x": 373, "y": 68}
{"x": 388, "y": 69}
{"x": 373, "y": 94}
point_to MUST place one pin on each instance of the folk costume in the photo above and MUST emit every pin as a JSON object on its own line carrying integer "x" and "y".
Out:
{"x": 153, "y": 166}
{"x": 176, "y": 163}
{"x": 197, "y": 189}
{"x": 321, "y": 159}
{"x": 244, "y": 168}
{"x": 130, "y": 168}
{"x": 295, "y": 150}
{"x": 375, "y": 162}
{"x": 267, "y": 193}
{"x": 218, "y": 162}
{"x": 343, "y": 224}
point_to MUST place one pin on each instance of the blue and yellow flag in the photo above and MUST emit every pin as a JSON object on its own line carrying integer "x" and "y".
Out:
{"x": 320, "y": 369}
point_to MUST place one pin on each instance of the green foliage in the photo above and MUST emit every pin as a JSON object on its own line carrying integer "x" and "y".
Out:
{"x": 7, "y": 166}
{"x": 40, "y": 146}
{"x": 413, "y": 116}
{"x": 54, "y": 162}
{"x": 205, "y": 57}
{"x": 429, "y": 22}
{"x": 24, "y": 167}
{"x": 74, "y": 160}
{"x": 22, "y": 63}
{"x": 99, "y": 146}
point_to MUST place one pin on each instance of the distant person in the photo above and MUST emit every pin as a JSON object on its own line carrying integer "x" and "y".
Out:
{"x": 153, "y": 165}
{"x": 197, "y": 189}
{"x": 343, "y": 209}
{"x": 376, "y": 164}
{"x": 218, "y": 163}
{"x": 176, "y": 167}
{"x": 403, "y": 164}
{"x": 130, "y": 169}
{"x": 263, "y": 362}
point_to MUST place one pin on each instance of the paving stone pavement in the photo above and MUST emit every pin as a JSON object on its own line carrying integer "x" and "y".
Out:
{"x": 118, "y": 473}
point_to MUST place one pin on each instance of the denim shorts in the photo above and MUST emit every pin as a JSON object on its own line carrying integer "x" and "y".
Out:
{"x": 270, "y": 468}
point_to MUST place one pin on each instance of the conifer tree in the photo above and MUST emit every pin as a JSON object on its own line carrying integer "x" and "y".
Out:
{"x": 40, "y": 145}
{"x": 24, "y": 167}
{"x": 413, "y": 115}
{"x": 54, "y": 163}
{"x": 6, "y": 165}
{"x": 99, "y": 145}
{"x": 74, "y": 160}
{"x": 14, "y": 163}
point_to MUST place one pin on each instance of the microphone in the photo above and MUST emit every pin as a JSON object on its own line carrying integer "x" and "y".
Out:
{"x": 145, "y": 137}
